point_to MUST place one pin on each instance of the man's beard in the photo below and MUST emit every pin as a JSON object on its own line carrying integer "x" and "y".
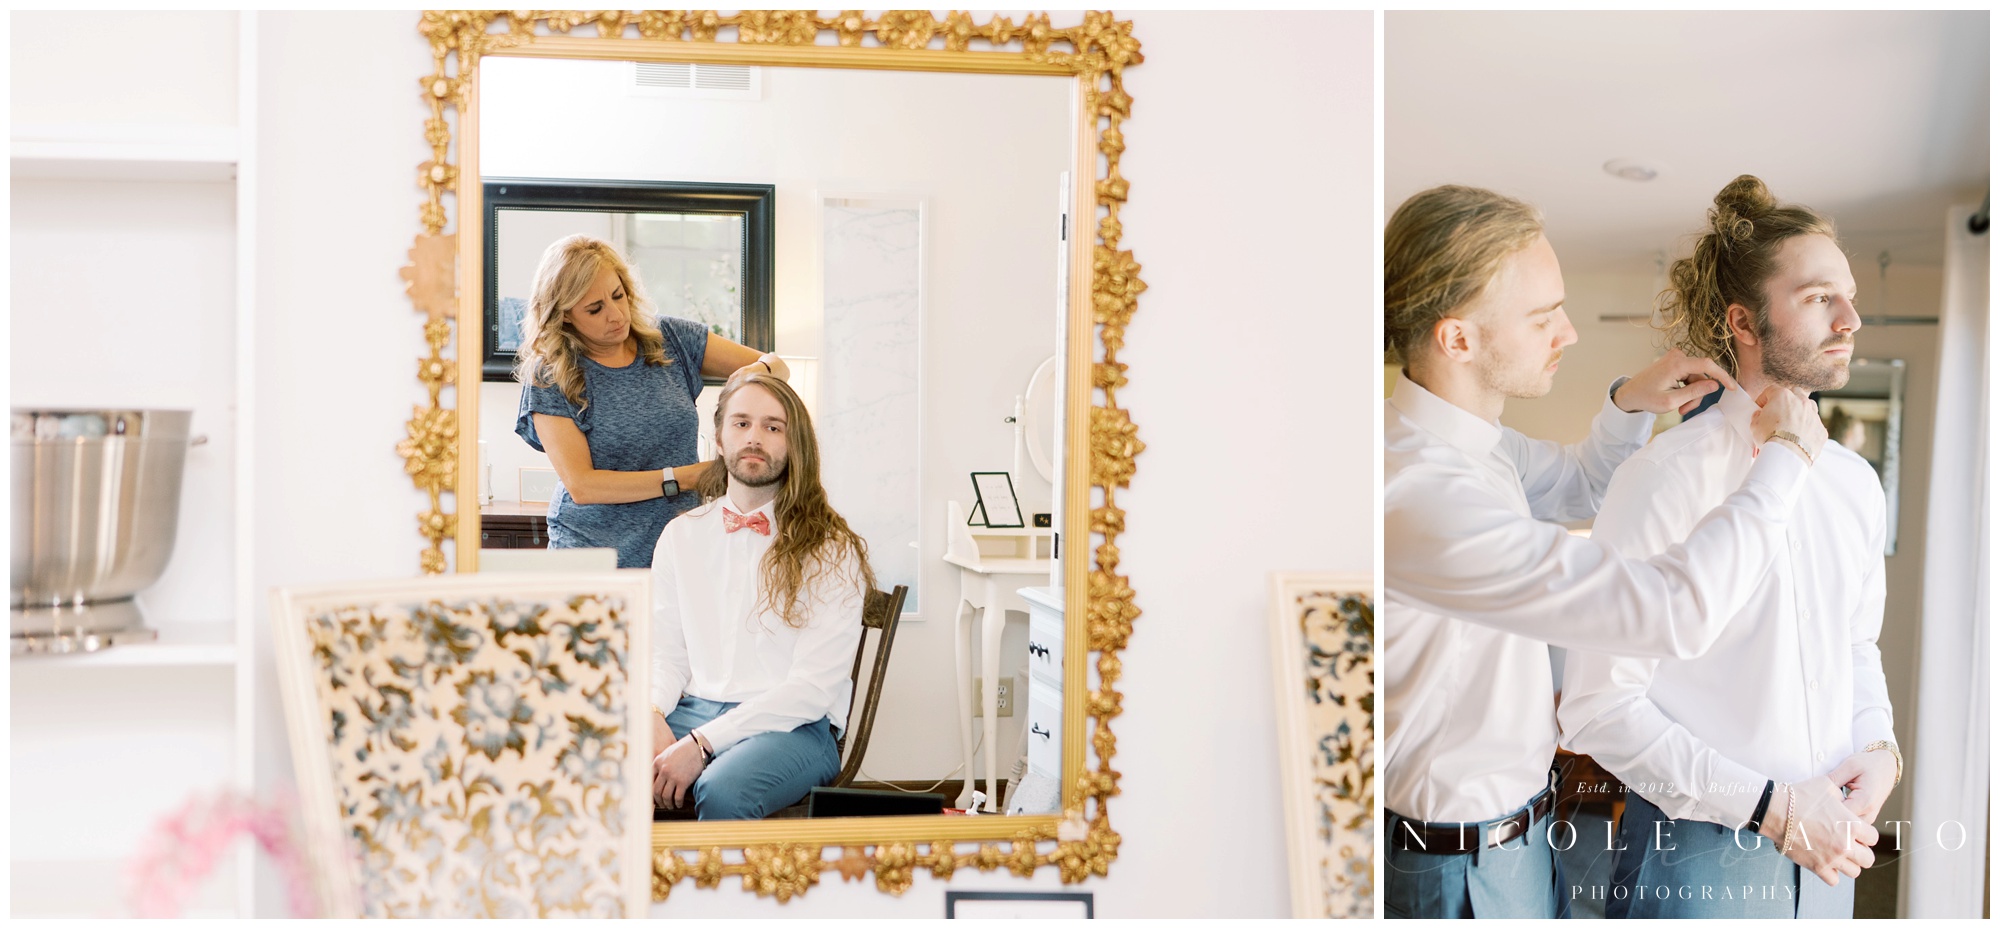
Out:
{"x": 773, "y": 471}
{"x": 1795, "y": 364}
{"x": 1515, "y": 383}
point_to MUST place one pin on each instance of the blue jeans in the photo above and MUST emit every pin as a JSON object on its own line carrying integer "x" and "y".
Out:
{"x": 1684, "y": 868}
{"x": 1517, "y": 880}
{"x": 761, "y": 774}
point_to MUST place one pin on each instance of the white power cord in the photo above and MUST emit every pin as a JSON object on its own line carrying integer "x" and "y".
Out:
{"x": 977, "y": 742}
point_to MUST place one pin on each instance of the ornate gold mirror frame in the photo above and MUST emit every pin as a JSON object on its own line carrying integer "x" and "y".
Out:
{"x": 787, "y": 857}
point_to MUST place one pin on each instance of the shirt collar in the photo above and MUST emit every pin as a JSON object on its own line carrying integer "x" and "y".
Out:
{"x": 1442, "y": 418}
{"x": 770, "y": 509}
{"x": 1737, "y": 407}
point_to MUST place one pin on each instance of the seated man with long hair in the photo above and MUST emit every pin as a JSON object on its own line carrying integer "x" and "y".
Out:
{"x": 757, "y": 600}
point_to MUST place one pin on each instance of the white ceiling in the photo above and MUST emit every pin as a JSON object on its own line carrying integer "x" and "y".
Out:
{"x": 1878, "y": 119}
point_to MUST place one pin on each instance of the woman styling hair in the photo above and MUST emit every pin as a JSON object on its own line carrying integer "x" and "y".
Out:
{"x": 608, "y": 391}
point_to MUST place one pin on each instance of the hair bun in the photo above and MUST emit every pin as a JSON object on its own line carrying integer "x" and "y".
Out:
{"x": 1738, "y": 207}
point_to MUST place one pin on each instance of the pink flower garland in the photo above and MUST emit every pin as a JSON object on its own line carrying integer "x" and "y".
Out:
{"x": 184, "y": 848}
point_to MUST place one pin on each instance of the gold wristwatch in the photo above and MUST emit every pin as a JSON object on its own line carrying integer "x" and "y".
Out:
{"x": 1894, "y": 752}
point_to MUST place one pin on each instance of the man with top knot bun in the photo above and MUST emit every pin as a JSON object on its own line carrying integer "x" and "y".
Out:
{"x": 1736, "y": 759}
{"x": 1479, "y": 578}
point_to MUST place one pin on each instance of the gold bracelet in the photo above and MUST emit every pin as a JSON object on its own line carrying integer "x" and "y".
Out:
{"x": 1884, "y": 745}
{"x": 1783, "y": 436}
{"x": 1791, "y": 807}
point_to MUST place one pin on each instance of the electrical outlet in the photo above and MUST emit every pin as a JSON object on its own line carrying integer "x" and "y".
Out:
{"x": 1004, "y": 702}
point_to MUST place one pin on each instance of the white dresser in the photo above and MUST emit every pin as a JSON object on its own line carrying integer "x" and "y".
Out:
{"x": 1045, "y": 680}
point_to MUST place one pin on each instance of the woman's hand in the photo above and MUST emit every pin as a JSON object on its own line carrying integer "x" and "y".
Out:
{"x": 724, "y": 358}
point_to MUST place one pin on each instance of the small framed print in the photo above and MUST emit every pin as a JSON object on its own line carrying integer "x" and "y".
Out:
{"x": 982, "y": 904}
{"x": 997, "y": 507}
{"x": 538, "y": 485}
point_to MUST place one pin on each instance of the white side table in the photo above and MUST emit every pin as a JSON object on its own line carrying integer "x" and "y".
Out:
{"x": 988, "y": 586}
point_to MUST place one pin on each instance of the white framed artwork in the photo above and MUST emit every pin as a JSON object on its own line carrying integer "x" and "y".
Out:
{"x": 1323, "y": 628}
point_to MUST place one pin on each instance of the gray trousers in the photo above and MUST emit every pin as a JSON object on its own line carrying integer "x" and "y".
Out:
{"x": 1680, "y": 868}
{"x": 1518, "y": 880}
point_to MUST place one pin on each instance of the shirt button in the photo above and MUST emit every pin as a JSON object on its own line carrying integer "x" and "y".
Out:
{"x": 1795, "y": 545}
{"x": 1813, "y": 685}
{"x": 1822, "y": 757}
{"x": 1805, "y": 614}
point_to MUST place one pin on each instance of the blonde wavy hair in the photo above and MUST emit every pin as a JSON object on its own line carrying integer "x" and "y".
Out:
{"x": 1732, "y": 259}
{"x": 1439, "y": 251}
{"x": 812, "y": 540}
{"x": 550, "y": 346}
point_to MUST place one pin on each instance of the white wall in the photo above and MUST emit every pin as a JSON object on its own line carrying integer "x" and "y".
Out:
{"x": 121, "y": 296}
{"x": 335, "y": 223}
{"x": 1216, "y": 359}
{"x": 1604, "y": 351}
{"x": 983, "y": 154}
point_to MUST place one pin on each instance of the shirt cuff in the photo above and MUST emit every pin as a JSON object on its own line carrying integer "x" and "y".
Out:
{"x": 719, "y": 733}
{"x": 1632, "y": 428}
{"x": 1732, "y": 792}
{"x": 1873, "y": 725}
{"x": 1783, "y": 471}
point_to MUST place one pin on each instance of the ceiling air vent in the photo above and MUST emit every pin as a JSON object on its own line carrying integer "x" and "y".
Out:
{"x": 693, "y": 80}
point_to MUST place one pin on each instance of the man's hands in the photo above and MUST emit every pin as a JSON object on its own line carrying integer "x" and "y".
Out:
{"x": 663, "y": 735}
{"x": 674, "y": 771}
{"x": 1868, "y": 777}
{"x": 1827, "y": 839}
{"x": 1787, "y": 410}
{"x": 1675, "y": 382}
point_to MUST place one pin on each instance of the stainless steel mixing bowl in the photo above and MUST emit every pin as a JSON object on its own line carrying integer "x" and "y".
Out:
{"x": 96, "y": 499}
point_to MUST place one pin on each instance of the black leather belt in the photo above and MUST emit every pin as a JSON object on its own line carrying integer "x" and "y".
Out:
{"x": 1463, "y": 838}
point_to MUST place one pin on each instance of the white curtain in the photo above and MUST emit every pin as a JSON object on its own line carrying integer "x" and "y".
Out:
{"x": 1949, "y": 768}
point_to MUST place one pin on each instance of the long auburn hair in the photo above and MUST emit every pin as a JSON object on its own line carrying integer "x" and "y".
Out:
{"x": 1732, "y": 259}
{"x": 811, "y": 540}
{"x": 550, "y": 346}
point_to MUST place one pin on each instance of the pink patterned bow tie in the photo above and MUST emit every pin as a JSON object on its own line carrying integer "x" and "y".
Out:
{"x": 759, "y": 523}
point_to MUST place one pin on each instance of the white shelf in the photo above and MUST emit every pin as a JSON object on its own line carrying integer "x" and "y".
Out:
{"x": 124, "y": 152}
{"x": 99, "y": 888}
{"x": 193, "y": 645}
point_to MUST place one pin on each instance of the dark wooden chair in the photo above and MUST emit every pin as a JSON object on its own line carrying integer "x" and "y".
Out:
{"x": 882, "y": 613}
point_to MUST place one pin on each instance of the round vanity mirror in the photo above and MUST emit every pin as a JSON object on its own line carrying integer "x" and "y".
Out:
{"x": 1039, "y": 416}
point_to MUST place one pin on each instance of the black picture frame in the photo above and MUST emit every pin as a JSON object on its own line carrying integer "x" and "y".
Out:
{"x": 952, "y": 898}
{"x": 756, "y": 203}
{"x": 1005, "y": 509}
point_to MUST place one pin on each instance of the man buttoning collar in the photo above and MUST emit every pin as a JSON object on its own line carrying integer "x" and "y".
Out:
{"x": 757, "y": 599}
{"x": 1479, "y": 579}
{"x": 1739, "y": 755}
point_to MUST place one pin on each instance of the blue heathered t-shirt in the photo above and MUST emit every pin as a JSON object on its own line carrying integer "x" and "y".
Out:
{"x": 640, "y": 417}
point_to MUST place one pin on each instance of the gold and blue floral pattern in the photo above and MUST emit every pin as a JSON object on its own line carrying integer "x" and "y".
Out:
{"x": 476, "y": 749}
{"x": 1337, "y": 630}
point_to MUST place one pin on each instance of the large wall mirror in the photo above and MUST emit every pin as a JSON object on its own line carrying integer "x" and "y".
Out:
{"x": 945, "y": 283}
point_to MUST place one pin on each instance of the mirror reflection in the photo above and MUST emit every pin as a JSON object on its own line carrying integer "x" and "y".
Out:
{"x": 1866, "y": 415}
{"x": 842, "y": 630}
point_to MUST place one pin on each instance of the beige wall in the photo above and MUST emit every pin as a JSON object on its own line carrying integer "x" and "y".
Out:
{"x": 1606, "y": 350}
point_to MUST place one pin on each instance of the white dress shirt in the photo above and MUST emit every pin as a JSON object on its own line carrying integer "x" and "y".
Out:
{"x": 710, "y": 639}
{"x": 1795, "y": 683}
{"x": 1477, "y": 586}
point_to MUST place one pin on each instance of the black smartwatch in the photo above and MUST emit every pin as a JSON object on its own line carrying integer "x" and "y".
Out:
{"x": 669, "y": 488}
